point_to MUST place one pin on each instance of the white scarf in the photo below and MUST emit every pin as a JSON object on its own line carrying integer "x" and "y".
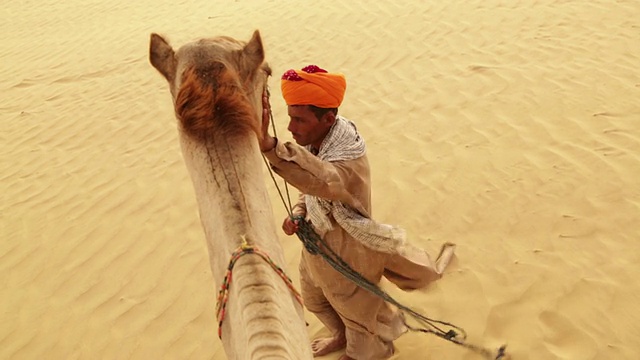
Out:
{"x": 344, "y": 143}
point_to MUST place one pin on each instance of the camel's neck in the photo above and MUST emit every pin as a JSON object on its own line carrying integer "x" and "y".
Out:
{"x": 227, "y": 176}
{"x": 233, "y": 200}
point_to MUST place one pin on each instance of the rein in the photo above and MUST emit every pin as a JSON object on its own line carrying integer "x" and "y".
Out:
{"x": 223, "y": 294}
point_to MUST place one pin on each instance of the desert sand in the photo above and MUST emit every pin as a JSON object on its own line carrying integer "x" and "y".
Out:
{"x": 511, "y": 128}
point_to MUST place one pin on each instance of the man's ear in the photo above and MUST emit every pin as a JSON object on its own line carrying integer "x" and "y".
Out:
{"x": 329, "y": 117}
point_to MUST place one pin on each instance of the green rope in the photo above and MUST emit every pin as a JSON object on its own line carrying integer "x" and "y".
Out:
{"x": 315, "y": 245}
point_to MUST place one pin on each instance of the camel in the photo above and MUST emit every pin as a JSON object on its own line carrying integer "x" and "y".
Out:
{"x": 217, "y": 86}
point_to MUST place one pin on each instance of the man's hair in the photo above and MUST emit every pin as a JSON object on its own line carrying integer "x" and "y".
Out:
{"x": 319, "y": 112}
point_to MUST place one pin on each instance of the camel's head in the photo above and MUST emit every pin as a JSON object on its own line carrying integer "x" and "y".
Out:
{"x": 214, "y": 81}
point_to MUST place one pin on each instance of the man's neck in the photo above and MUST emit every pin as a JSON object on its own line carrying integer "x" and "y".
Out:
{"x": 315, "y": 148}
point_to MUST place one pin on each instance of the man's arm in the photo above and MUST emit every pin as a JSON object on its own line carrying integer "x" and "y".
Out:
{"x": 300, "y": 168}
{"x": 300, "y": 209}
{"x": 310, "y": 175}
{"x": 285, "y": 160}
{"x": 290, "y": 224}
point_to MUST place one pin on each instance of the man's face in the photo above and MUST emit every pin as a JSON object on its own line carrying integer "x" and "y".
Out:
{"x": 305, "y": 127}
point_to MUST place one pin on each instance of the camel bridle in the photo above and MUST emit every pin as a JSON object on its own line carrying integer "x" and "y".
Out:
{"x": 223, "y": 294}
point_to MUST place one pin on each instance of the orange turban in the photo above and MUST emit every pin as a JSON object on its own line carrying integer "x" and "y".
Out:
{"x": 313, "y": 86}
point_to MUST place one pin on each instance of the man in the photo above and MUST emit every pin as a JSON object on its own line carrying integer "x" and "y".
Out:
{"x": 330, "y": 168}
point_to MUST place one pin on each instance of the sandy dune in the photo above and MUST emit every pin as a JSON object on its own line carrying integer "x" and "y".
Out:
{"x": 510, "y": 128}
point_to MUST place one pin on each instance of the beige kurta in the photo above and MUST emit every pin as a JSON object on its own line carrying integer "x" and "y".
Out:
{"x": 371, "y": 324}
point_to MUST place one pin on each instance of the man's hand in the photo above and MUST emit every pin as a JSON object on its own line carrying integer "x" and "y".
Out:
{"x": 267, "y": 142}
{"x": 290, "y": 226}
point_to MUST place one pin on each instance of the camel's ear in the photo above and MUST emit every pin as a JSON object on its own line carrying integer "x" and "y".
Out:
{"x": 162, "y": 57}
{"x": 253, "y": 52}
